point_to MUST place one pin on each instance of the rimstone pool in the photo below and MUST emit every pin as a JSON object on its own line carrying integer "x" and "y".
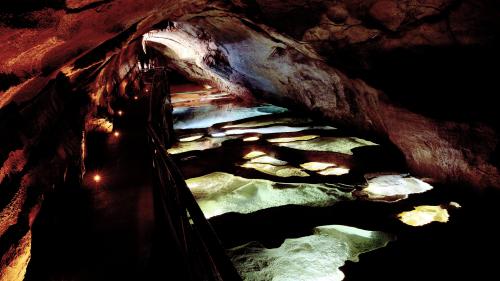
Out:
{"x": 277, "y": 170}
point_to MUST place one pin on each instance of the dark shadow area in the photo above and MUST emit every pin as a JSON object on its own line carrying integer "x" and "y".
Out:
{"x": 455, "y": 83}
{"x": 100, "y": 230}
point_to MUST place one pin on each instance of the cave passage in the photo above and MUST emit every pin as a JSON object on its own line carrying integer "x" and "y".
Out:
{"x": 102, "y": 229}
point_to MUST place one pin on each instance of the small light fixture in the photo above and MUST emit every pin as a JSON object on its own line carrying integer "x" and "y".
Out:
{"x": 136, "y": 97}
{"x": 116, "y": 134}
{"x": 97, "y": 178}
{"x": 120, "y": 113}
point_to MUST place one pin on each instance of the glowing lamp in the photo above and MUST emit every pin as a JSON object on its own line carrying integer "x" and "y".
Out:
{"x": 97, "y": 178}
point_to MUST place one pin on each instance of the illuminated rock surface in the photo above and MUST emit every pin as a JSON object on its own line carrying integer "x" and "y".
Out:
{"x": 253, "y": 154}
{"x": 334, "y": 171}
{"x": 191, "y": 138}
{"x": 313, "y": 158}
{"x": 273, "y": 121}
{"x": 15, "y": 262}
{"x": 268, "y": 160}
{"x": 310, "y": 258}
{"x": 280, "y": 171}
{"x": 329, "y": 144}
{"x": 195, "y": 145}
{"x": 219, "y": 193}
{"x": 251, "y": 139}
{"x": 290, "y": 139}
{"x": 423, "y": 215}
{"x": 316, "y": 166}
{"x": 275, "y": 129}
{"x": 395, "y": 186}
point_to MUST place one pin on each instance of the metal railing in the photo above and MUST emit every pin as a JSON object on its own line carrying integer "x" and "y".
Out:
{"x": 193, "y": 249}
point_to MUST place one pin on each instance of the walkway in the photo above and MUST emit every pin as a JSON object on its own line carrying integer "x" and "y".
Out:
{"x": 103, "y": 230}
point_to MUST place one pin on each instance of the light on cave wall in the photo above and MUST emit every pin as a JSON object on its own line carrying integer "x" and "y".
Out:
{"x": 179, "y": 44}
{"x": 99, "y": 125}
{"x": 97, "y": 178}
{"x": 17, "y": 264}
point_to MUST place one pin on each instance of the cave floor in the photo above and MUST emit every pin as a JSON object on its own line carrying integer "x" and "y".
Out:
{"x": 266, "y": 177}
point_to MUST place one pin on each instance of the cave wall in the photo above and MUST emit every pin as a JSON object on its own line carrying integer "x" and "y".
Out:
{"x": 36, "y": 162}
{"x": 428, "y": 55}
{"x": 46, "y": 105}
{"x": 222, "y": 45}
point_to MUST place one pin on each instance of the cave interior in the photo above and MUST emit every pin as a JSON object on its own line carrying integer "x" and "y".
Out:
{"x": 249, "y": 140}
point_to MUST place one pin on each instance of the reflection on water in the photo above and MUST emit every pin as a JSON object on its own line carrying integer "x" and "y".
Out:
{"x": 209, "y": 115}
{"x": 310, "y": 258}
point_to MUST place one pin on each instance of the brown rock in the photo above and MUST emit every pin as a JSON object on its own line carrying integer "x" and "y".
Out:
{"x": 420, "y": 9}
{"x": 337, "y": 13}
{"x": 77, "y": 4}
{"x": 387, "y": 13}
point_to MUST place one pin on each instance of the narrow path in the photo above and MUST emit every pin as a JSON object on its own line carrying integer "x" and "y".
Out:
{"x": 101, "y": 230}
